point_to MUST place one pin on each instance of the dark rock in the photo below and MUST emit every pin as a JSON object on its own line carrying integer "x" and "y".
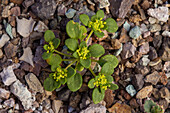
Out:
{"x": 20, "y": 75}
{"x": 44, "y": 9}
{"x": 27, "y": 3}
{"x": 53, "y": 24}
{"x": 74, "y": 100}
{"x": 36, "y": 69}
{"x": 109, "y": 97}
{"x": 61, "y": 10}
{"x": 128, "y": 50}
{"x": 157, "y": 41}
{"x": 25, "y": 42}
{"x": 137, "y": 81}
{"x": 164, "y": 103}
{"x": 64, "y": 95}
{"x": 26, "y": 67}
{"x": 119, "y": 8}
{"x": 164, "y": 92}
{"x": 10, "y": 50}
{"x": 142, "y": 70}
{"x": 115, "y": 44}
{"x": 156, "y": 93}
{"x": 136, "y": 57}
{"x": 153, "y": 78}
{"x": 63, "y": 23}
{"x": 152, "y": 53}
{"x": 133, "y": 103}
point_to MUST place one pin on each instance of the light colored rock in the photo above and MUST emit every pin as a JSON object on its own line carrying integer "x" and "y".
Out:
{"x": 143, "y": 93}
{"x": 166, "y": 34}
{"x": 161, "y": 13}
{"x": 27, "y": 56}
{"x": 131, "y": 90}
{"x": 3, "y": 40}
{"x": 103, "y": 3}
{"x": 152, "y": 20}
{"x": 128, "y": 50}
{"x": 1, "y": 53}
{"x": 135, "y": 32}
{"x": 6, "y": 12}
{"x": 33, "y": 82}
{"x": 94, "y": 108}
{"x": 22, "y": 93}
{"x": 145, "y": 60}
{"x": 70, "y": 13}
{"x": 41, "y": 27}
{"x": 4, "y": 93}
{"x": 9, "y": 103}
{"x": 56, "y": 105}
{"x": 144, "y": 49}
{"x": 155, "y": 28}
{"x": 167, "y": 66}
{"x": 24, "y": 26}
{"x": 153, "y": 78}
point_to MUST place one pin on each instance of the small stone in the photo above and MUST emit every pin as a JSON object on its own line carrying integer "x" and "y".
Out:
{"x": 115, "y": 44}
{"x": 6, "y": 11}
{"x": 103, "y": 3}
{"x": 40, "y": 27}
{"x": 70, "y": 13}
{"x": 61, "y": 10}
{"x": 144, "y": 49}
{"x": 133, "y": 103}
{"x": 1, "y": 54}
{"x": 4, "y": 94}
{"x": 33, "y": 82}
{"x": 10, "y": 50}
{"x": 16, "y": 1}
{"x": 164, "y": 103}
{"x": 8, "y": 29}
{"x": 8, "y": 76}
{"x": 22, "y": 93}
{"x": 15, "y": 11}
{"x": 152, "y": 20}
{"x": 145, "y": 4}
{"x": 143, "y": 28}
{"x": 155, "y": 62}
{"x": 139, "y": 69}
{"x": 166, "y": 67}
{"x": 27, "y": 56}
{"x": 152, "y": 53}
{"x": 153, "y": 78}
{"x": 123, "y": 36}
{"x": 56, "y": 105}
{"x": 126, "y": 25}
{"x": 145, "y": 60}
{"x": 164, "y": 92}
{"x": 109, "y": 97}
{"x": 14, "y": 34}
{"x": 64, "y": 95}
{"x": 128, "y": 50}
{"x": 94, "y": 108}
{"x": 9, "y": 103}
{"x": 137, "y": 81}
{"x": 27, "y": 3}
{"x": 131, "y": 90}
{"x": 155, "y": 28}
{"x": 166, "y": 34}
{"x": 4, "y": 39}
{"x": 120, "y": 108}
{"x": 116, "y": 53}
{"x": 74, "y": 100}
{"x": 161, "y": 13}
{"x": 136, "y": 57}
{"x": 157, "y": 41}
{"x": 135, "y": 32}
{"x": 46, "y": 104}
{"x": 53, "y": 24}
{"x": 144, "y": 92}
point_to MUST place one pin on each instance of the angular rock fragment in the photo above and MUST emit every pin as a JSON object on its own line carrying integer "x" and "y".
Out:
{"x": 120, "y": 108}
{"x": 144, "y": 92}
{"x": 144, "y": 49}
{"x": 137, "y": 81}
{"x": 128, "y": 50}
{"x": 9, "y": 103}
{"x": 41, "y": 27}
{"x": 3, "y": 40}
{"x": 152, "y": 53}
{"x": 10, "y": 50}
{"x": 153, "y": 78}
{"x": 94, "y": 108}
{"x": 4, "y": 94}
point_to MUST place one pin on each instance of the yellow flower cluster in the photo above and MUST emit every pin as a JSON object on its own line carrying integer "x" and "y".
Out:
{"x": 82, "y": 52}
{"x": 97, "y": 25}
{"x": 60, "y": 73}
{"x": 50, "y": 47}
{"x": 101, "y": 81}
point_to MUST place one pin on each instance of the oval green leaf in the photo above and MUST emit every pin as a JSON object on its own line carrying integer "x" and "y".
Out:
{"x": 56, "y": 42}
{"x": 84, "y": 19}
{"x": 79, "y": 67}
{"x": 46, "y": 55}
{"x": 112, "y": 25}
{"x": 85, "y": 62}
{"x": 54, "y": 59}
{"x": 49, "y": 36}
{"x": 100, "y": 14}
{"x": 97, "y": 96}
{"x": 72, "y": 44}
{"x": 107, "y": 69}
{"x": 113, "y": 86}
{"x": 91, "y": 83}
{"x": 71, "y": 72}
{"x": 109, "y": 78}
{"x": 96, "y": 50}
{"x": 99, "y": 34}
{"x": 109, "y": 58}
{"x": 50, "y": 84}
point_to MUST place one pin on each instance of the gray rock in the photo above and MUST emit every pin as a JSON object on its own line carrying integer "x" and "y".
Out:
{"x": 94, "y": 108}
{"x": 143, "y": 28}
{"x": 145, "y": 61}
{"x": 8, "y": 29}
{"x": 119, "y": 8}
{"x": 3, "y": 40}
{"x": 157, "y": 41}
{"x": 144, "y": 49}
{"x": 64, "y": 95}
{"x": 44, "y": 9}
{"x": 103, "y": 3}
{"x": 9, "y": 103}
{"x": 131, "y": 90}
{"x": 126, "y": 25}
{"x": 152, "y": 20}
{"x": 164, "y": 92}
{"x": 166, "y": 34}
{"x": 4, "y": 94}
{"x": 53, "y": 24}
{"x": 153, "y": 78}
{"x": 139, "y": 69}
{"x": 40, "y": 27}
{"x": 70, "y": 13}
{"x": 128, "y": 50}
{"x": 22, "y": 93}
{"x": 46, "y": 104}
{"x": 135, "y": 32}
{"x": 137, "y": 81}
{"x": 161, "y": 13}
{"x": 28, "y": 3}
{"x": 56, "y": 105}
{"x": 33, "y": 82}
{"x": 10, "y": 50}
{"x": 61, "y": 10}
{"x": 155, "y": 28}
{"x": 152, "y": 53}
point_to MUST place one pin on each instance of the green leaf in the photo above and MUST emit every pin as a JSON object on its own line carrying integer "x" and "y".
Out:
{"x": 79, "y": 67}
{"x": 97, "y": 96}
{"x": 148, "y": 105}
{"x": 91, "y": 83}
{"x": 74, "y": 83}
{"x": 99, "y": 34}
{"x": 54, "y": 59}
{"x": 71, "y": 72}
{"x": 85, "y": 62}
{"x": 107, "y": 69}
{"x": 45, "y": 47}
{"x": 63, "y": 81}
{"x": 75, "y": 54}
{"x": 109, "y": 78}
{"x": 96, "y": 50}
{"x": 84, "y": 32}
{"x": 113, "y": 86}
{"x": 54, "y": 67}
{"x": 83, "y": 44}
{"x": 109, "y": 58}
{"x": 72, "y": 44}
{"x": 51, "y": 75}
{"x": 100, "y": 14}
{"x": 73, "y": 30}
{"x": 56, "y": 42}
{"x": 84, "y": 19}
{"x": 50, "y": 84}
{"x": 93, "y": 18}
{"x": 49, "y": 36}
{"x": 46, "y": 55}
{"x": 112, "y": 25}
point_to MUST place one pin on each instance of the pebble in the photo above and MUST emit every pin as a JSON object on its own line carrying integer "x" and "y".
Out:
{"x": 137, "y": 81}
{"x": 14, "y": 34}
{"x": 166, "y": 34}
{"x": 3, "y": 40}
{"x": 123, "y": 36}
{"x": 152, "y": 53}
{"x": 131, "y": 90}
{"x": 64, "y": 95}
{"x": 126, "y": 25}
{"x": 143, "y": 28}
{"x": 9, "y": 103}
{"x": 4, "y": 94}
{"x": 70, "y": 13}
{"x": 1, "y": 53}
{"x": 157, "y": 41}
{"x": 46, "y": 104}
{"x": 74, "y": 100}
{"x": 8, "y": 76}
{"x": 153, "y": 78}
{"x": 15, "y": 11}
{"x": 103, "y": 3}
{"x": 22, "y": 93}
{"x": 164, "y": 92}
{"x": 155, "y": 28}
{"x": 8, "y": 29}
{"x": 145, "y": 60}
{"x": 128, "y": 50}
{"x": 120, "y": 108}
{"x": 135, "y": 32}
{"x": 116, "y": 44}
{"x": 33, "y": 83}
{"x": 6, "y": 11}
{"x": 56, "y": 105}
{"x": 10, "y": 50}
{"x": 53, "y": 24}
{"x": 164, "y": 103}
{"x": 152, "y": 20}
{"x": 155, "y": 62}
{"x": 28, "y": 3}
{"x": 161, "y": 13}
{"x": 109, "y": 97}
{"x": 133, "y": 103}
{"x": 144, "y": 49}
{"x": 166, "y": 67}
{"x": 40, "y": 27}
{"x": 16, "y": 1}
{"x": 144, "y": 92}
{"x": 94, "y": 108}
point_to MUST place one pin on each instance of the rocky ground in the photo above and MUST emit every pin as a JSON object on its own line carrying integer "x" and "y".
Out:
{"x": 142, "y": 45}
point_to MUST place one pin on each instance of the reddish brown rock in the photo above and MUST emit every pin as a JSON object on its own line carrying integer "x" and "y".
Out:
{"x": 115, "y": 44}
{"x": 144, "y": 92}
{"x": 16, "y": 1}
{"x": 120, "y": 108}
{"x": 123, "y": 36}
{"x": 109, "y": 97}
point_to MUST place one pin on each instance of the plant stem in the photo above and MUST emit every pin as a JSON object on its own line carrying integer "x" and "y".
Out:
{"x": 93, "y": 60}
{"x": 71, "y": 63}
{"x": 92, "y": 72}
{"x": 62, "y": 53}
{"x": 68, "y": 59}
{"x": 89, "y": 36}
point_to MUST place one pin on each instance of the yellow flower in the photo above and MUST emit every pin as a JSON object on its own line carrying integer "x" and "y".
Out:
{"x": 82, "y": 52}
{"x": 97, "y": 25}
{"x": 60, "y": 73}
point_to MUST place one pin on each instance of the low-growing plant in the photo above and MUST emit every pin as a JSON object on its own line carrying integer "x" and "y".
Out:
{"x": 151, "y": 107}
{"x": 80, "y": 56}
